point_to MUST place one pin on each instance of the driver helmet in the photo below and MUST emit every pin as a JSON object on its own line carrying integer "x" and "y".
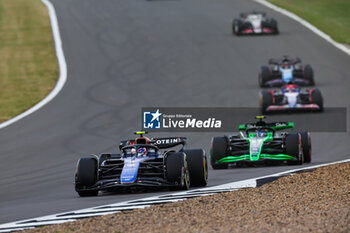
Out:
{"x": 133, "y": 151}
{"x": 290, "y": 88}
{"x": 142, "y": 152}
{"x": 261, "y": 132}
{"x": 286, "y": 64}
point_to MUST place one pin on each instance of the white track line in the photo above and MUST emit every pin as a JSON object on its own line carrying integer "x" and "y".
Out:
{"x": 306, "y": 24}
{"x": 62, "y": 66}
{"x": 144, "y": 202}
{"x": 280, "y": 174}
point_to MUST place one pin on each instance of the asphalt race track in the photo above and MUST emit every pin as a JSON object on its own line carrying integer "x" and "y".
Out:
{"x": 124, "y": 55}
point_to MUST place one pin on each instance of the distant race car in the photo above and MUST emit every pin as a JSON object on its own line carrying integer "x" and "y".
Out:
{"x": 143, "y": 162}
{"x": 290, "y": 98}
{"x": 286, "y": 70}
{"x": 254, "y": 23}
{"x": 260, "y": 143}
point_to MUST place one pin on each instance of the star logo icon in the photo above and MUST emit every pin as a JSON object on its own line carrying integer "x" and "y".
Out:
{"x": 156, "y": 115}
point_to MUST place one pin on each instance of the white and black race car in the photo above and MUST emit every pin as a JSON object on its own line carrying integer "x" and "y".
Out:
{"x": 291, "y": 98}
{"x": 254, "y": 23}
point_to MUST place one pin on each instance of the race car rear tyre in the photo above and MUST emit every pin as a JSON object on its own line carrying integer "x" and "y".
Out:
{"x": 293, "y": 147}
{"x": 265, "y": 101}
{"x": 264, "y": 76}
{"x": 177, "y": 170}
{"x": 198, "y": 167}
{"x": 236, "y": 26}
{"x": 306, "y": 144}
{"x": 309, "y": 74}
{"x": 316, "y": 98}
{"x": 86, "y": 176}
{"x": 273, "y": 24}
{"x": 218, "y": 151}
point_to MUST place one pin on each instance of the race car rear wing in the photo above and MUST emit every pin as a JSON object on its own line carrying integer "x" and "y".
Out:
{"x": 245, "y": 14}
{"x": 273, "y": 125}
{"x": 161, "y": 143}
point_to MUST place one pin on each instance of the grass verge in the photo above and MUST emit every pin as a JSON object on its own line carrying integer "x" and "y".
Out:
{"x": 330, "y": 16}
{"x": 28, "y": 64}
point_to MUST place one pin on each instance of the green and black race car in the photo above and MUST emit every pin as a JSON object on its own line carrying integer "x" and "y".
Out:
{"x": 260, "y": 143}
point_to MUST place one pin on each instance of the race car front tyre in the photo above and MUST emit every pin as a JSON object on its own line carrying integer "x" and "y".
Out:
{"x": 306, "y": 144}
{"x": 218, "y": 151}
{"x": 316, "y": 98}
{"x": 293, "y": 148}
{"x": 86, "y": 176}
{"x": 264, "y": 76}
{"x": 198, "y": 167}
{"x": 177, "y": 170}
{"x": 265, "y": 101}
{"x": 309, "y": 74}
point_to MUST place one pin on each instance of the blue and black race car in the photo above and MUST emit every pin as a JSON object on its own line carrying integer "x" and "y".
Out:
{"x": 286, "y": 70}
{"x": 143, "y": 162}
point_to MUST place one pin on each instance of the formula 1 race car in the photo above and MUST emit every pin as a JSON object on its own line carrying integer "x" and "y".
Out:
{"x": 285, "y": 71}
{"x": 143, "y": 162}
{"x": 261, "y": 143}
{"x": 254, "y": 23}
{"x": 291, "y": 98}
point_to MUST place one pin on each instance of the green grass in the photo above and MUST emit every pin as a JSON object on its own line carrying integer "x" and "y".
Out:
{"x": 330, "y": 16}
{"x": 28, "y": 64}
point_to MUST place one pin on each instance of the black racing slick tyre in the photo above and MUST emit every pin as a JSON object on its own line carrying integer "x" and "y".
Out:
{"x": 236, "y": 26}
{"x": 293, "y": 148}
{"x": 273, "y": 23}
{"x": 316, "y": 98}
{"x": 265, "y": 101}
{"x": 198, "y": 167}
{"x": 264, "y": 76}
{"x": 218, "y": 151}
{"x": 309, "y": 74}
{"x": 86, "y": 176}
{"x": 306, "y": 145}
{"x": 177, "y": 170}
